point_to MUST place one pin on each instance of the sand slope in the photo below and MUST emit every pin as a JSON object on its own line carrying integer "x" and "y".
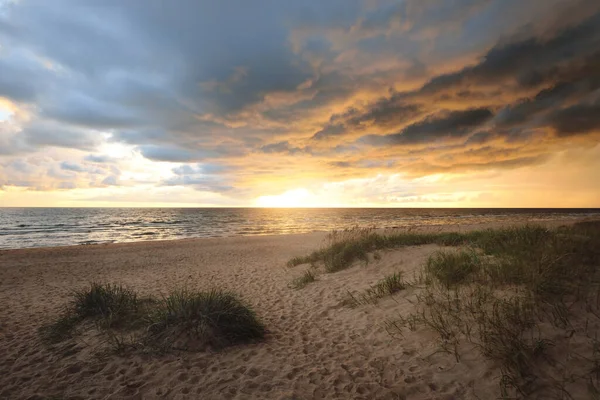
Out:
{"x": 315, "y": 349}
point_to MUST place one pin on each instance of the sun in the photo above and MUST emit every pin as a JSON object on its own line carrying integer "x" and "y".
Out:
{"x": 289, "y": 199}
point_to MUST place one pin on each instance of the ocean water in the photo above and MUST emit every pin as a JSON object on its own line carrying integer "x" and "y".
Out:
{"x": 40, "y": 227}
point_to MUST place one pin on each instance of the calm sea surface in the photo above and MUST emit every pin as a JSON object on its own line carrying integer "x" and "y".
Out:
{"x": 36, "y": 227}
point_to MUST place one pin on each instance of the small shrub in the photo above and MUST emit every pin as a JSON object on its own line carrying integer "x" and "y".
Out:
{"x": 452, "y": 267}
{"x": 213, "y": 318}
{"x": 307, "y": 277}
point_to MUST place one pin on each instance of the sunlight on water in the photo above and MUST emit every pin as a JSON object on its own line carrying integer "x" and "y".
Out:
{"x": 34, "y": 227}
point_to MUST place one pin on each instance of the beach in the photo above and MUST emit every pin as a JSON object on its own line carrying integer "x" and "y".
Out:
{"x": 315, "y": 347}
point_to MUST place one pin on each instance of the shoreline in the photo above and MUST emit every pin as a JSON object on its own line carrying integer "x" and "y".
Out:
{"x": 417, "y": 228}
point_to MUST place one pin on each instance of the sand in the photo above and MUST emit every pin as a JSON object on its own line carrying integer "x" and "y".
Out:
{"x": 315, "y": 347}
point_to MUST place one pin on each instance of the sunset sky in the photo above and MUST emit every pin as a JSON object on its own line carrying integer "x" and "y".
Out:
{"x": 405, "y": 103}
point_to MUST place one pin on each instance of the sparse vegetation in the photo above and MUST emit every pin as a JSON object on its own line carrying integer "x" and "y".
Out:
{"x": 182, "y": 320}
{"x": 527, "y": 297}
{"x": 307, "y": 277}
{"x": 386, "y": 287}
{"x": 345, "y": 247}
{"x": 62, "y": 329}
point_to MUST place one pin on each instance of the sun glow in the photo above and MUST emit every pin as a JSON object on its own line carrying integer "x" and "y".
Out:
{"x": 291, "y": 198}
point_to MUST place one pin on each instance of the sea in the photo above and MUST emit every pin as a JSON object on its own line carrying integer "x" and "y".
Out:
{"x": 45, "y": 227}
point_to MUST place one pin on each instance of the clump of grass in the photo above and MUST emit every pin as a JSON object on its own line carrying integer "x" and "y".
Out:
{"x": 343, "y": 254}
{"x": 214, "y": 318}
{"x": 388, "y": 286}
{"x": 310, "y": 259}
{"x": 453, "y": 267}
{"x": 110, "y": 305}
{"x": 105, "y": 301}
{"x": 307, "y": 277}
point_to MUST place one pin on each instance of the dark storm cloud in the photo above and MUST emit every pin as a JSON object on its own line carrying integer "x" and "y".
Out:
{"x": 575, "y": 120}
{"x": 385, "y": 113}
{"x": 562, "y": 68}
{"x": 528, "y": 62}
{"x": 440, "y": 126}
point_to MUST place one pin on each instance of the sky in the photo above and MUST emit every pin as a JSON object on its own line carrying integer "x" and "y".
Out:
{"x": 338, "y": 103}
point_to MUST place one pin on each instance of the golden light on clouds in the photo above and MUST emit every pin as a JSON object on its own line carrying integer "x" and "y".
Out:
{"x": 387, "y": 104}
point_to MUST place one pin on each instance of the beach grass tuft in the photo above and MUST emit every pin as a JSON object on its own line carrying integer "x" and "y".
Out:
{"x": 387, "y": 286}
{"x": 108, "y": 301}
{"x": 451, "y": 267}
{"x": 307, "y": 277}
{"x": 213, "y": 318}
{"x": 108, "y": 304}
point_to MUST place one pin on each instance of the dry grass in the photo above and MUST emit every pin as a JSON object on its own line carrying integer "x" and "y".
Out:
{"x": 453, "y": 267}
{"x": 528, "y": 298}
{"x": 300, "y": 282}
{"x": 388, "y": 286}
{"x": 345, "y": 247}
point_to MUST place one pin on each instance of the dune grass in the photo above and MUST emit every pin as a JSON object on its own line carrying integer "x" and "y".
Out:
{"x": 388, "y": 286}
{"x": 108, "y": 305}
{"x": 110, "y": 302}
{"x": 212, "y": 318}
{"x": 345, "y": 247}
{"x": 452, "y": 267}
{"x": 300, "y": 282}
{"x": 526, "y": 297}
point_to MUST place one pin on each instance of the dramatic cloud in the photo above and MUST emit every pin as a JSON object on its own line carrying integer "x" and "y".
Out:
{"x": 236, "y": 101}
{"x": 442, "y": 126}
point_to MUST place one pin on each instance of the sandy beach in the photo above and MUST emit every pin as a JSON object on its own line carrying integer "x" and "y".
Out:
{"x": 315, "y": 347}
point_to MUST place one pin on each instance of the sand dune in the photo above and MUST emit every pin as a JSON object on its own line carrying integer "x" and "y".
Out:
{"x": 315, "y": 348}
